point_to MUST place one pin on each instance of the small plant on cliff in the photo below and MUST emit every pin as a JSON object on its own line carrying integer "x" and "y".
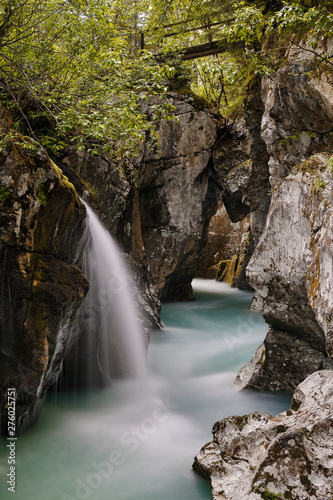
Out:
{"x": 41, "y": 194}
{"x": 268, "y": 495}
{"x": 317, "y": 185}
{"x": 4, "y": 194}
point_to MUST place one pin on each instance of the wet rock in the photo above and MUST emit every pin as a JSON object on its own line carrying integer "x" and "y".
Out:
{"x": 159, "y": 206}
{"x": 224, "y": 238}
{"x": 177, "y": 198}
{"x": 282, "y": 362}
{"x": 291, "y": 270}
{"x": 297, "y": 121}
{"x": 289, "y": 456}
{"x": 42, "y": 221}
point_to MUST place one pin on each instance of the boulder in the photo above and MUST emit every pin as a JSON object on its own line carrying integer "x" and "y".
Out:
{"x": 290, "y": 456}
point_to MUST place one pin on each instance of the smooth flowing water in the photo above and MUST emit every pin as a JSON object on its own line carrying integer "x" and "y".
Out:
{"x": 108, "y": 308}
{"x": 115, "y": 444}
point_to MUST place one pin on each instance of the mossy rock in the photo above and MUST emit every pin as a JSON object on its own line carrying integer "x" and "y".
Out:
{"x": 221, "y": 268}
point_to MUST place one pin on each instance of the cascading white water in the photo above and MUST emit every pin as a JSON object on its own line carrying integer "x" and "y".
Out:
{"x": 109, "y": 308}
{"x": 111, "y": 444}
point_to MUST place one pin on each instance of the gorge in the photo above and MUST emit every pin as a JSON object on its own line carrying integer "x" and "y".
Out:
{"x": 248, "y": 201}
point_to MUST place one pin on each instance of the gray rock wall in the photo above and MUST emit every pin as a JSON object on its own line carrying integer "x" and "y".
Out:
{"x": 177, "y": 198}
{"x": 291, "y": 268}
{"x": 41, "y": 287}
{"x": 159, "y": 206}
{"x": 288, "y": 456}
{"x": 291, "y": 271}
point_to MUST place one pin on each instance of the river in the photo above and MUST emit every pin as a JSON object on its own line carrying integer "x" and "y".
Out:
{"x": 131, "y": 442}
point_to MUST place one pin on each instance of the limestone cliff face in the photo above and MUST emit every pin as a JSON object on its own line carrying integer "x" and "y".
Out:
{"x": 289, "y": 456}
{"x": 241, "y": 159}
{"x": 177, "y": 198}
{"x": 298, "y": 111}
{"x": 291, "y": 270}
{"x": 42, "y": 222}
{"x": 288, "y": 117}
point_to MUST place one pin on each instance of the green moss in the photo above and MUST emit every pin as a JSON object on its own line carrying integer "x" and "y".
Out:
{"x": 290, "y": 138}
{"x": 92, "y": 190}
{"x": 41, "y": 194}
{"x": 317, "y": 185}
{"x": 312, "y": 165}
{"x": 311, "y": 134}
{"x": 4, "y": 194}
{"x": 221, "y": 268}
{"x": 294, "y": 405}
{"x": 268, "y": 495}
{"x": 63, "y": 179}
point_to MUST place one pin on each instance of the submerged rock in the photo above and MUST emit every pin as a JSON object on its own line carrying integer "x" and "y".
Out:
{"x": 289, "y": 456}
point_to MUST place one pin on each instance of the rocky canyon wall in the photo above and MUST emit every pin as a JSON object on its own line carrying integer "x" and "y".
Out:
{"x": 158, "y": 207}
{"x": 291, "y": 269}
{"x": 42, "y": 221}
{"x": 288, "y": 456}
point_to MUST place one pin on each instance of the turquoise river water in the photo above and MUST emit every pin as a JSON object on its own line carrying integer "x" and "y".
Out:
{"x": 138, "y": 443}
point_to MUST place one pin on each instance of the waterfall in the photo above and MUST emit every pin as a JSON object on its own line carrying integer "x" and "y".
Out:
{"x": 108, "y": 309}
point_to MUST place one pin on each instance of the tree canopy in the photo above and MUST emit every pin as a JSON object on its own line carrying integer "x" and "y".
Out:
{"x": 74, "y": 70}
{"x": 72, "y": 67}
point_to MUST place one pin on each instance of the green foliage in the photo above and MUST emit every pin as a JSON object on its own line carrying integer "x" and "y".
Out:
{"x": 317, "y": 185}
{"x": 4, "y": 193}
{"x": 258, "y": 34}
{"x": 268, "y": 495}
{"x": 221, "y": 80}
{"x": 71, "y": 72}
{"x": 14, "y": 138}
